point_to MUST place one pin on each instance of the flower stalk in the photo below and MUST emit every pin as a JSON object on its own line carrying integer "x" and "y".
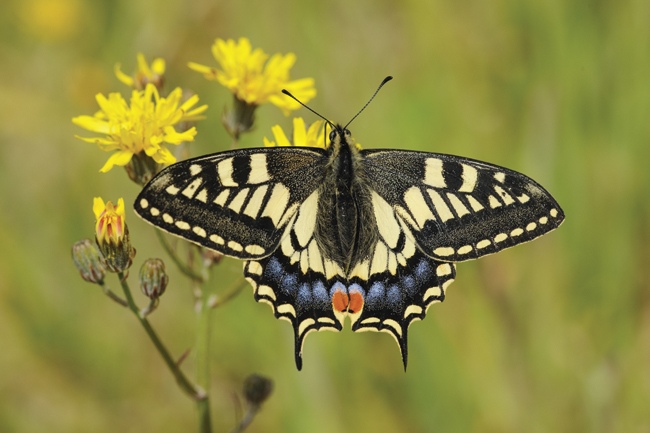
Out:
{"x": 203, "y": 359}
{"x": 183, "y": 382}
{"x": 184, "y": 268}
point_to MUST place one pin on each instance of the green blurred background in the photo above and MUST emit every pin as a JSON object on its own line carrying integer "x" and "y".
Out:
{"x": 550, "y": 336}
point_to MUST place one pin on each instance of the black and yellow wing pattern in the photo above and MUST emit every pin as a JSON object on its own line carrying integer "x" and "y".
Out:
{"x": 331, "y": 233}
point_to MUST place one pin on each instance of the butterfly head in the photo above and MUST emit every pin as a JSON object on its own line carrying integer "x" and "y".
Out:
{"x": 339, "y": 134}
{"x": 340, "y": 137}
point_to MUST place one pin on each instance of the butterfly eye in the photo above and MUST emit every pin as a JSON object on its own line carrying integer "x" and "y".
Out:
{"x": 347, "y": 133}
{"x": 332, "y": 135}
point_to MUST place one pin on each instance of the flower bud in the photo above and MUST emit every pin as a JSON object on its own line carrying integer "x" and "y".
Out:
{"x": 257, "y": 389}
{"x": 240, "y": 119}
{"x": 153, "y": 279}
{"x": 141, "y": 168}
{"x": 112, "y": 235}
{"x": 89, "y": 261}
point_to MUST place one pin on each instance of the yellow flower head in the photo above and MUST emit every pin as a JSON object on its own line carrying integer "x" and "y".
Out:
{"x": 143, "y": 126}
{"x": 110, "y": 226}
{"x": 244, "y": 72}
{"x": 143, "y": 74}
{"x": 314, "y": 136}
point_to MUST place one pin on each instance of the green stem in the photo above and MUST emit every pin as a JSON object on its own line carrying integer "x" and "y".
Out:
{"x": 185, "y": 385}
{"x": 153, "y": 304}
{"x": 172, "y": 254}
{"x": 203, "y": 361}
{"x": 108, "y": 292}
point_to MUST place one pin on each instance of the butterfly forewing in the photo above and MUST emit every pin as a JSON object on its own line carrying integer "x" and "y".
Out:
{"x": 458, "y": 208}
{"x": 236, "y": 202}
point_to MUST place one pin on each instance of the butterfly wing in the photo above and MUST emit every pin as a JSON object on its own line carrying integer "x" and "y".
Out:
{"x": 299, "y": 279}
{"x": 458, "y": 208}
{"x": 236, "y": 202}
{"x": 396, "y": 281}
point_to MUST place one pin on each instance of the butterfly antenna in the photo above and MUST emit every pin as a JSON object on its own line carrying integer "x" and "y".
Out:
{"x": 386, "y": 80}
{"x": 286, "y": 92}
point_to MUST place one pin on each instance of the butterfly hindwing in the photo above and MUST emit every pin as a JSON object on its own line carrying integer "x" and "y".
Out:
{"x": 235, "y": 202}
{"x": 298, "y": 280}
{"x": 302, "y": 299}
{"x": 458, "y": 208}
{"x": 394, "y": 282}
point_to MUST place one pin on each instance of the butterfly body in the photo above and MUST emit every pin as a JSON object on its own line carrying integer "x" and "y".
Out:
{"x": 336, "y": 233}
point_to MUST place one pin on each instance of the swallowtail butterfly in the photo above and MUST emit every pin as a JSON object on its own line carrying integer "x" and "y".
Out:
{"x": 339, "y": 232}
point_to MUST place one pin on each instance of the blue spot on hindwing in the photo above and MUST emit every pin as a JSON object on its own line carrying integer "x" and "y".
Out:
{"x": 408, "y": 284}
{"x": 289, "y": 284}
{"x": 304, "y": 298}
{"x": 358, "y": 288}
{"x": 337, "y": 286}
{"x": 423, "y": 272}
{"x": 394, "y": 296}
{"x": 320, "y": 294}
{"x": 376, "y": 296}
{"x": 274, "y": 271}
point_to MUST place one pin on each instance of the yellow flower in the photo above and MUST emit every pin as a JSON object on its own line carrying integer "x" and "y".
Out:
{"x": 112, "y": 235}
{"x": 245, "y": 74}
{"x": 143, "y": 74}
{"x": 314, "y": 136}
{"x": 110, "y": 226}
{"x": 143, "y": 126}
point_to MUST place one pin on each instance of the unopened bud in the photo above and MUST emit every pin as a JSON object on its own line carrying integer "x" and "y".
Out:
{"x": 112, "y": 235}
{"x": 257, "y": 389}
{"x": 153, "y": 278}
{"x": 141, "y": 168}
{"x": 89, "y": 261}
{"x": 240, "y": 119}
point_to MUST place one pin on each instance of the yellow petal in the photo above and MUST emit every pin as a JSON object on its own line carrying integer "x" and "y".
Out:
{"x": 299, "y": 133}
{"x": 164, "y": 156}
{"x": 98, "y": 206}
{"x": 189, "y": 103}
{"x": 122, "y": 76}
{"x": 120, "y": 207}
{"x": 158, "y": 66}
{"x": 92, "y": 124}
{"x": 101, "y": 142}
{"x": 121, "y": 158}
{"x": 195, "y": 114}
{"x": 312, "y": 132}
{"x": 171, "y": 136}
{"x": 268, "y": 143}
{"x": 143, "y": 66}
{"x": 199, "y": 68}
{"x": 315, "y": 134}
{"x": 279, "y": 136}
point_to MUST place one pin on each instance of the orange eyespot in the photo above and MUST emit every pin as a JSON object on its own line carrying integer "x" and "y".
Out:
{"x": 340, "y": 301}
{"x": 344, "y": 302}
{"x": 356, "y": 302}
